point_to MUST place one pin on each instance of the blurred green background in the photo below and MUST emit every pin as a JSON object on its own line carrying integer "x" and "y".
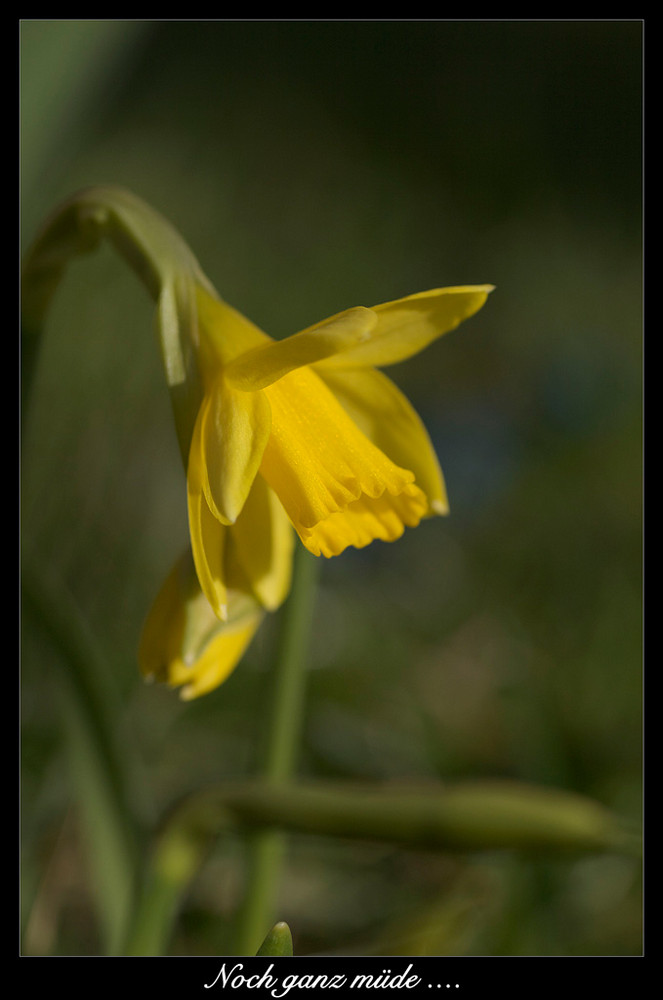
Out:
{"x": 313, "y": 166}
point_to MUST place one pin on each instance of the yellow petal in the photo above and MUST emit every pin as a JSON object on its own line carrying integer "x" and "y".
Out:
{"x": 319, "y": 463}
{"x": 264, "y": 365}
{"x": 386, "y": 416}
{"x": 183, "y": 643}
{"x": 233, "y": 427}
{"x": 223, "y": 333}
{"x": 208, "y": 542}
{"x": 207, "y": 533}
{"x": 180, "y": 622}
{"x": 406, "y": 326}
{"x": 219, "y": 658}
{"x": 260, "y": 547}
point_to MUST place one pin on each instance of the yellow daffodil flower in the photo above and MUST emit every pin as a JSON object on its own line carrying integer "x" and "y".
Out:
{"x": 305, "y": 432}
{"x": 313, "y": 421}
{"x": 302, "y": 432}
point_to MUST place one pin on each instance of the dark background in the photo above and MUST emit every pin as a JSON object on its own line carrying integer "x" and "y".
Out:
{"x": 313, "y": 166}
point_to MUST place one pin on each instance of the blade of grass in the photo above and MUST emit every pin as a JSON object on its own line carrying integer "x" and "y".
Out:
{"x": 98, "y": 765}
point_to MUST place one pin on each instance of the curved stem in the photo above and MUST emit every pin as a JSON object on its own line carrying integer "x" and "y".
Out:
{"x": 286, "y": 701}
{"x": 158, "y": 255}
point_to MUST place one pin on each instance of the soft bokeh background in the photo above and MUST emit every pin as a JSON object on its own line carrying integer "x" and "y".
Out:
{"x": 314, "y": 166}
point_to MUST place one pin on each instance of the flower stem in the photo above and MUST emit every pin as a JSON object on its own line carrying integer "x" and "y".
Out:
{"x": 266, "y": 847}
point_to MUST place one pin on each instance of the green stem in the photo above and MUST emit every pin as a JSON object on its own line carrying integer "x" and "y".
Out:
{"x": 466, "y": 816}
{"x": 266, "y": 846}
{"x": 288, "y": 679}
{"x": 155, "y": 252}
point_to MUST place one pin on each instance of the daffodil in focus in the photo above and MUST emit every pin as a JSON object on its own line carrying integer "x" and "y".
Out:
{"x": 312, "y": 419}
{"x": 304, "y": 433}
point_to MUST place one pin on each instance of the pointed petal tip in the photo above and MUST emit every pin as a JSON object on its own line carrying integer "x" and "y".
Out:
{"x": 439, "y": 507}
{"x": 220, "y": 610}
